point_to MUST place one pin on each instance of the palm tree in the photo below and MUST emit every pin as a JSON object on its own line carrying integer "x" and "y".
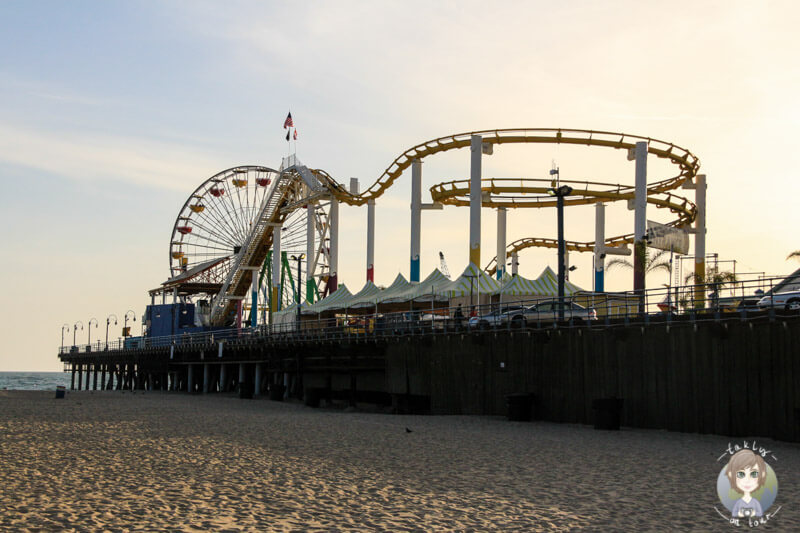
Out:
{"x": 714, "y": 279}
{"x": 654, "y": 260}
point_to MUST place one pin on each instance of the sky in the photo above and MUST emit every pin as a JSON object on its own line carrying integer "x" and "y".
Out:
{"x": 112, "y": 113}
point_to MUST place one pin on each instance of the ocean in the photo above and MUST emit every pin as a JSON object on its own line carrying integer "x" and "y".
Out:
{"x": 33, "y": 380}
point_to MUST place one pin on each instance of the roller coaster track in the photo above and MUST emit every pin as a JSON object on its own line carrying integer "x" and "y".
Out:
{"x": 687, "y": 162}
{"x": 286, "y": 196}
{"x": 584, "y": 192}
{"x": 513, "y": 193}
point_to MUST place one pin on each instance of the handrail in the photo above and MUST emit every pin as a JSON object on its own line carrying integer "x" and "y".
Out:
{"x": 662, "y": 304}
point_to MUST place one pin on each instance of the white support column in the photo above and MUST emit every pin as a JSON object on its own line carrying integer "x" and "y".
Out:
{"x": 501, "y": 242}
{"x": 599, "y": 245}
{"x": 333, "y": 282}
{"x": 276, "y": 268}
{"x": 223, "y": 378}
{"x": 206, "y": 377}
{"x": 700, "y": 238}
{"x": 371, "y": 240}
{"x": 475, "y": 200}
{"x": 311, "y": 251}
{"x": 566, "y": 264}
{"x": 416, "y": 218}
{"x": 257, "y": 384}
{"x": 640, "y": 216}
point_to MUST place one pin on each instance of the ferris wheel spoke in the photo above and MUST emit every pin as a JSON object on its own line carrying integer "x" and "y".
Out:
{"x": 235, "y": 212}
{"x": 201, "y": 239}
{"x": 217, "y": 232}
{"x": 223, "y": 221}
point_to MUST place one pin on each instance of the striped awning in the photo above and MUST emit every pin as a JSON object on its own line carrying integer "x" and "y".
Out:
{"x": 472, "y": 281}
{"x": 366, "y": 297}
{"x": 338, "y": 300}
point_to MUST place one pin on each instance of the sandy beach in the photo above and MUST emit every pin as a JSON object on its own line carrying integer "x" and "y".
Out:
{"x": 172, "y": 462}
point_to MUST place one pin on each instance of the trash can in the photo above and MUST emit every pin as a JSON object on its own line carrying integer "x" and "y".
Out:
{"x": 313, "y": 396}
{"x": 61, "y": 391}
{"x": 246, "y": 391}
{"x": 607, "y": 413}
{"x": 276, "y": 391}
{"x": 519, "y": 406}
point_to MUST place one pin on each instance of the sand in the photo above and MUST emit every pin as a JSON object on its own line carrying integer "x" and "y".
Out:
{"x": 171, "y": 462}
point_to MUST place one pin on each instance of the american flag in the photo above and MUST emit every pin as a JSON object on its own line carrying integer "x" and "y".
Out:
{"x": 288, "y": 123}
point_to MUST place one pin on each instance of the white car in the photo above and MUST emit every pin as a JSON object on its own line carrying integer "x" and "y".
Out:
{"x": 491, "y": 319}
{"x": 790, "y": 301}
{"x": 548, "y": 312}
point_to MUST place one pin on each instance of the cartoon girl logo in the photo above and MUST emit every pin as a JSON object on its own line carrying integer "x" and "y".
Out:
{"x": 747, "y": 486}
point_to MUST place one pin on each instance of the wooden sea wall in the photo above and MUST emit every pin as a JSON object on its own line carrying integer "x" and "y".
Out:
{"x": 733, "y": 377}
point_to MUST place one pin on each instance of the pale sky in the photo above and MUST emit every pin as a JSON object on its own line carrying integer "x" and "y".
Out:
{"x": 111, "y": 113}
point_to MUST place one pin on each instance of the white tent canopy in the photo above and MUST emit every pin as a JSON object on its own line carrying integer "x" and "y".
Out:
{"x": 398, "y": 287}
{"x": 547, "y": 282}
{"x": 471, "y": 282}
{"x": 366, "y": 297}
{"x": 338, "y": 300}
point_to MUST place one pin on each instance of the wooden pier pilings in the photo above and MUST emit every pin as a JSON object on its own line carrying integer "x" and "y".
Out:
{"x": 729, "y": 377}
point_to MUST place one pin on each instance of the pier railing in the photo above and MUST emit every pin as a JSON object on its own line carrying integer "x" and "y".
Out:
{"x": 427, "y": 316}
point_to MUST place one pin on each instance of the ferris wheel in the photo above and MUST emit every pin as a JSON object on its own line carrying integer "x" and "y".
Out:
{"x": 217, "y": 218}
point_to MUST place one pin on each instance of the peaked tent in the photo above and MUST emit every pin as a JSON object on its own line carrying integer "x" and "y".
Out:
{"x": 338, "y": 300}
{"x": 366, "y": 297}
{"x": 434, "y": 287}
{"x": 548, "y": 282}
{"x": 518, "y": 286}
{"x": 472, "y": 281}
{"x": 435, "y": 284}
{"x": 287, "y": 315}
{"x": 398, "y": 286}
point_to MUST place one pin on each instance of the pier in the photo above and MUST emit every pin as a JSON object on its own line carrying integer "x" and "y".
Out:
{"x": 726, "y": 374}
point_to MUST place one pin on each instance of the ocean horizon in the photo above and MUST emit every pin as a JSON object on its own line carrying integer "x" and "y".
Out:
{"x": 33, "y": 380}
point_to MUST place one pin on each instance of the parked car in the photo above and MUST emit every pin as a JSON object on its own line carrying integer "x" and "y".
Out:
{"x": 789, "y": 301}
{"x": 548, "y": 312}
{"x": 492, "y": 319}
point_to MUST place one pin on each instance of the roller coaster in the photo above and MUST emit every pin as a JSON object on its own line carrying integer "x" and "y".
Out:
{"x": 237, "y": 230}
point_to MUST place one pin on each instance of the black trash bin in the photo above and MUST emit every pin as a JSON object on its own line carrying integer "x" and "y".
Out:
{"x": 246, "y": 391}
{"x": 313, "y": 396}
{"x": 276, "y": 391}
{"x": 61, "y": 390}
{"x": 607, "y": 413}
{"x": 519, "y": 406}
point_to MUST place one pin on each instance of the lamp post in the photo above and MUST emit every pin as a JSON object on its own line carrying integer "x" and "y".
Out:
{"x": 65, "y": 326}
{"x": 560, "y": 192}
{"x": 75, "y": 331}
{"x": 108, "y": 323}
{"x": 129, "y": 311}
{"x": 298, "y": 293}
{"x": 89, "y": 327}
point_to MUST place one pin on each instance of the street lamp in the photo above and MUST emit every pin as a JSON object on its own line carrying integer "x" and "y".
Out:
{"x": 560, "y": 192}
{"x": 65, "y": 326}
{"x": 89, "y": 326}
{"x": 471, "y": 278}
{"x": 125, "y": 329}
{"x": 108, "y": 323}
{"x": 299, "y": 259}
{"x": 75, "y": 331}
